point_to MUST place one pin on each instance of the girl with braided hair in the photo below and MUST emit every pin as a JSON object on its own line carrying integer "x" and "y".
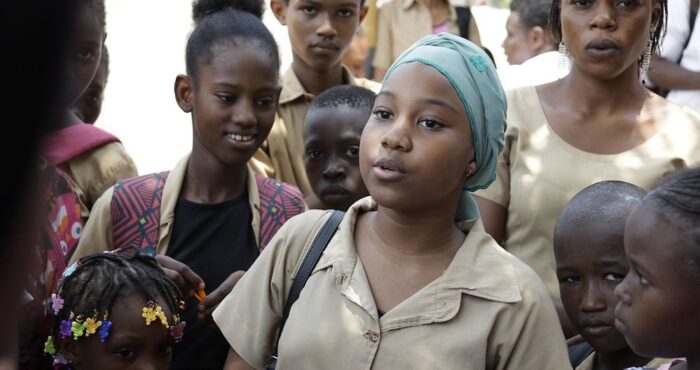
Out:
{"x": 115, "y": 310}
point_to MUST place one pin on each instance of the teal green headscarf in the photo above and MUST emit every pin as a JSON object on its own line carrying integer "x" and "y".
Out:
{"x": 473, "y": 76}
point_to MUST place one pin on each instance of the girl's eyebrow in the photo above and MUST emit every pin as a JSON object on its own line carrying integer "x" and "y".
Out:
{"x": 439, "y": 102}
{"x": 639, "y": 268}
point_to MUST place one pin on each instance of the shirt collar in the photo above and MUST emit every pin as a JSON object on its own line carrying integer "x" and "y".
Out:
{"x": 481, "y": 268}
{"x": 292, "y": 89}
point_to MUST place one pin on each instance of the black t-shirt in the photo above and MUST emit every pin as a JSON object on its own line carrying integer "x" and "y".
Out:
{"x": 214, "y": 240}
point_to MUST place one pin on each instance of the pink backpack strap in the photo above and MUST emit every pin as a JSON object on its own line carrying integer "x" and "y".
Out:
{"x": 70, "y": 142}
{"x": 136, "y": 212}
{"x": 279, "y": 202}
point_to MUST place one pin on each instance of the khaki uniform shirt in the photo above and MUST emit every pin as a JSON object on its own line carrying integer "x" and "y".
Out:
{"x": 590, "y": 361}
{"x": 538, "y": 173}
{"x": 487, "y": 311}
{"x": 97, "y": 236}
{"x": 282, "y": 155}
{"x": 92, "y": 173}
{"x": 400, "y": 23}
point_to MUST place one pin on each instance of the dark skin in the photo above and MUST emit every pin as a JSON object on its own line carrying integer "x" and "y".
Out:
{"x": 658, "y": 299}
{"x": 320, "y": 32}
{"x": 89, "y": 105}
{"x": 332, "y": 149}
{"x": 233, "y": 103}
{"x": 591, "y": 263}
{"x": 131, "y": 343}
{"x": 522, "y": 43}
{"x": 601, "y": 106}
{"x": 83, "y": 54}
{"x": 429, "y": 143}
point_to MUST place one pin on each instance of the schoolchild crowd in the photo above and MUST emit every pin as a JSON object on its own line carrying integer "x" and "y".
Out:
{"x": 430, "y": 219}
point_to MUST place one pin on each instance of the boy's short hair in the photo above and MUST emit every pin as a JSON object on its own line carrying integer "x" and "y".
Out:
{"x": 607, "y": 201}
{"x": 354, "y": 97}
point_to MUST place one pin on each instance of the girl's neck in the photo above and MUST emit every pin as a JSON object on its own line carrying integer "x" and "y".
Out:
{"x": 590, "y": 94}
{"x": 209, "y": 181}
{"x": 420, "y": 233}
{"x": 69, "y": 119}
{"x": 619, "y": 360}
{"x": 316, "y": 81}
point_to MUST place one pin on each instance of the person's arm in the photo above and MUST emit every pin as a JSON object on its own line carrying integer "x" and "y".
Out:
{"x": 235, "y": 362}
{"x": 494, "y": 216}
{"x": 672, "y": 76}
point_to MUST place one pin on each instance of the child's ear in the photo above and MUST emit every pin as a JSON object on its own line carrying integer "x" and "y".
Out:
{"x": 184, "y": 92}
{"x": 279, "y": 9}
{"x": 71, "y": 352}
{"x": 471, "y": 169}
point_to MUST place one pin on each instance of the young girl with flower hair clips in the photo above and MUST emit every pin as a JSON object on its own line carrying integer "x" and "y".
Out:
{"x": 114, "y": 311}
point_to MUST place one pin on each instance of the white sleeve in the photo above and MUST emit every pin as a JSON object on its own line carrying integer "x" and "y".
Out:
{"x": 677, "y": 29}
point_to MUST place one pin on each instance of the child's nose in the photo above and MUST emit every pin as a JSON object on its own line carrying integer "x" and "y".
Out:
{"x": 244, "y": 115}
{"x": 334, "y": 171}
{"x": 396, "y": 137}
{"x": 326, "y": 28}
{"x": 622, "y": 291}
{"x": 592, "y": 300}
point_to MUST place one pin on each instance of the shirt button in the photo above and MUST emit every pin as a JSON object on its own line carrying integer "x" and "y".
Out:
{"x": 372, "y": 336}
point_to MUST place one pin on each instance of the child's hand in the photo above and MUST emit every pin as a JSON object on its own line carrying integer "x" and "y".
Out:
{"x": 186, "y": 280}
{"x": 207, "y": 306}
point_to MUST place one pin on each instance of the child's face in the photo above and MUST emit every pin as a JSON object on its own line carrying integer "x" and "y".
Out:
{"x": 83, "y": 54}
{"x": 591, "y": 263}
{"x": 131, "y": 343}
{"x": 89, "y": 105}
{"x": 331, "y": 152}
{"x": 417, "y": 145}
{"x": 320, "y": 31}
{"x": 659, "y": 299}
{"x": 233, "y": 107}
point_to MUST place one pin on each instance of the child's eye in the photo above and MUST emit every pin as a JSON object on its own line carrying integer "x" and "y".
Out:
{"x": 309, "y": 10}
{"x": 626, "y": 3}
{"x": 345, "y": 13}
{"x": 125, "y": 353}
{"x": 382, "y": 114}
{"x": 570, "y": 279}
{"x": 352, "y": 151}
{"x": 85, "y": 54}
{"x": 265, "y": 101}
{"x": 581, "y": 3}
{"x": 313, "y": 153}
{"x": 613, "y": 278}
{"x": 429, "y": 124}
{"x": 225, "y": 98}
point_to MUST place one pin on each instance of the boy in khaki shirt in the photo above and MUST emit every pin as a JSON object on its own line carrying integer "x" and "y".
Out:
{"x": 320, "y": 32}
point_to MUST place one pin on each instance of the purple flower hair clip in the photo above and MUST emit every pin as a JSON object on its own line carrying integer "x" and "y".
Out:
{"x": 57, "y": 303}
{"x": 66, "y": 329}
{"x": 104, "y": 330}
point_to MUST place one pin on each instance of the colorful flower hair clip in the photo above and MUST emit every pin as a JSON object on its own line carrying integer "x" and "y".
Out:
{"x": 177, "y": 331}
{"x": 71, "y": 269}
{"x": 152, "y": 312}
{"x": 78, "y": 328}
{"x": 65, "y": 329}
{"x": 104, "y": 330}
{"x": 91, "y": 326}
{"x": 56, "y": 303}
{"x": 49, "y": 347}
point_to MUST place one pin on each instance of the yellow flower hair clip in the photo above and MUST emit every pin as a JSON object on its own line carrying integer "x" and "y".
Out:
{"x": 91, "y": 326}
{"x": 152, "y": 312}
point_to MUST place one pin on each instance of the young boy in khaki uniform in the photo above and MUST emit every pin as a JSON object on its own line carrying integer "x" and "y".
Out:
{"x": 320, "y": 32}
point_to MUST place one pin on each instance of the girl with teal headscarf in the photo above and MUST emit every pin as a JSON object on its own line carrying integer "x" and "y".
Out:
{"x": 410, "y": 280}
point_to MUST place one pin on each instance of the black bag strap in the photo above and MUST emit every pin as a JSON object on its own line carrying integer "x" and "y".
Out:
{"x": 578, "y": 353}
{"x": 307, "y": 267}
{"x": 464, "y": 18}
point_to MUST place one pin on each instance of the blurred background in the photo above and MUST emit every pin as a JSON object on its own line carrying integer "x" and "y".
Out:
{"x": 146, "y": 41}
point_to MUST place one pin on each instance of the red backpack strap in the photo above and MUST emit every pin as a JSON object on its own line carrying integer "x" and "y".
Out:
{"x": 136, "y": 212}
{"x": 278, "y": 202}
{"x": 70, "y": 142}
{"x": 63, "y": 227}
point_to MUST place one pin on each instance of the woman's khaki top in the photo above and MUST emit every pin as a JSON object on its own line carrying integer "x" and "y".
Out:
{"x": 487, "y": 311}
{"x": 590, "y": 362}
{"x": 539, "y": 172}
